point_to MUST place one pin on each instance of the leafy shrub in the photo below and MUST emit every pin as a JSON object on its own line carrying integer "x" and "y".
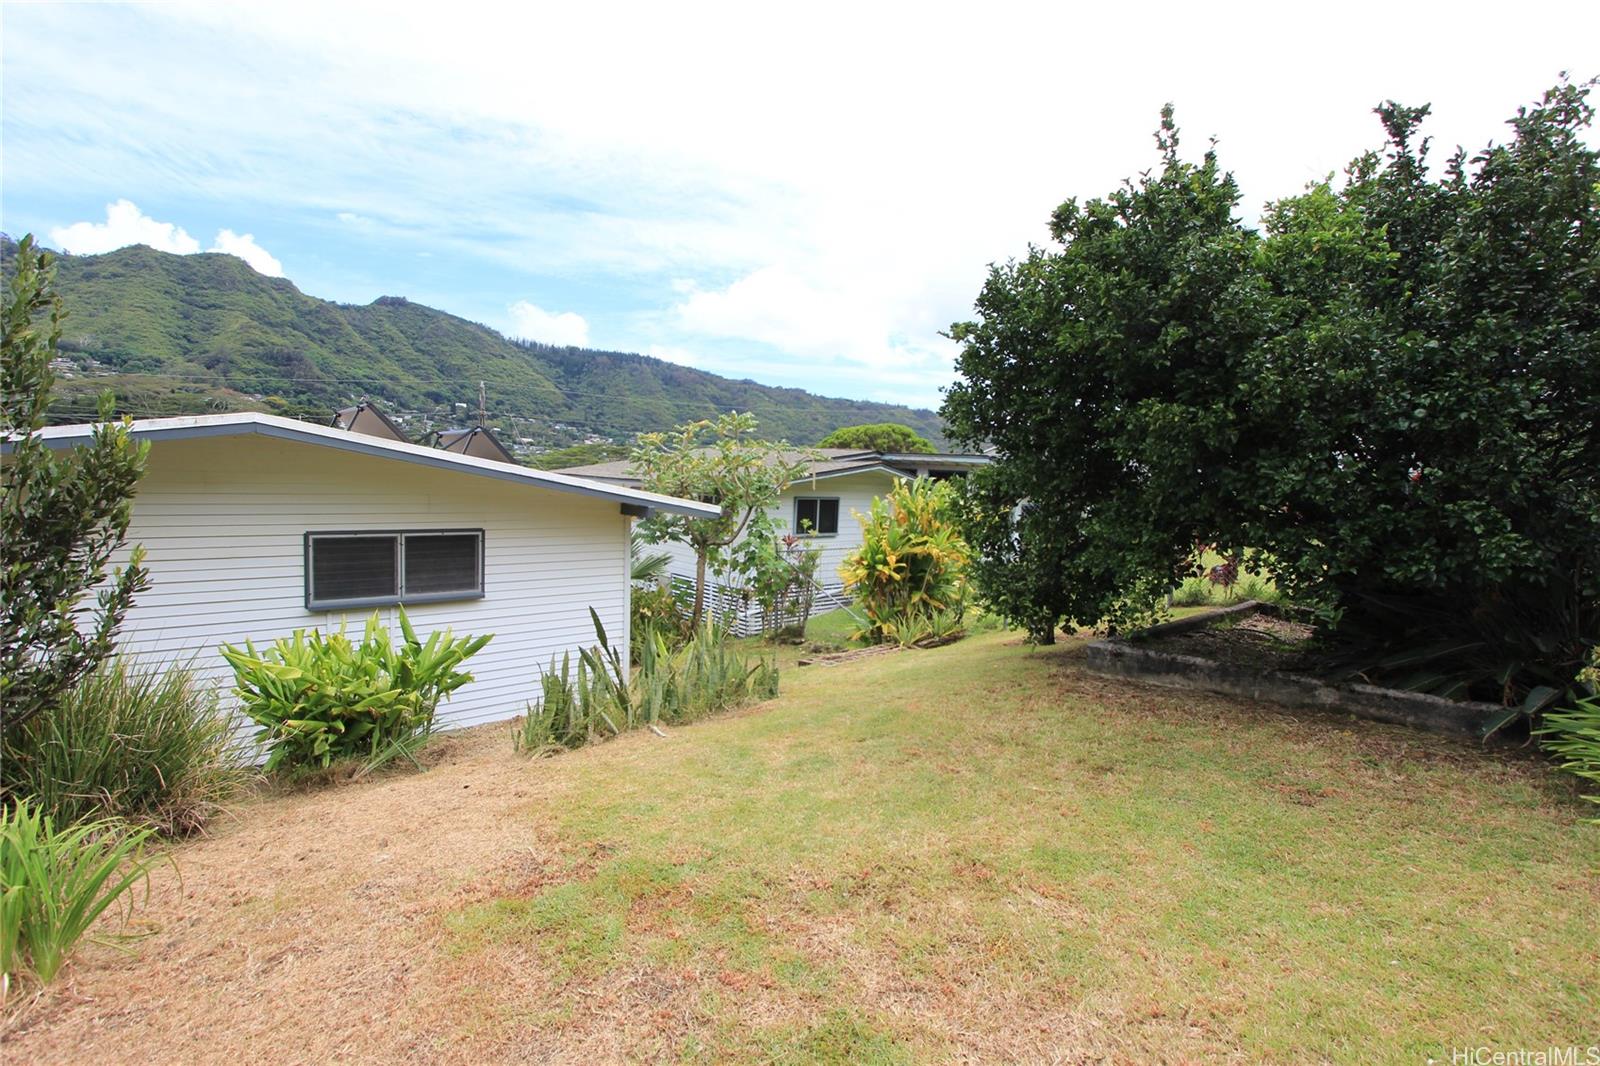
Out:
{"x": 1573, "y": 737}
{"x": 595, "y": 699}
{"x": 321, "y": 698}
{"x": 147, "y": 743}
{"x": 703, "y": 677}
{"x": 912, "y": 563}
{"x": 1255, "y": 587}
{"x": 570, "y": 712}
{"x": 54, "y": 883}
{"x": 781, "y": 571}
{"x": 1194, "y": 592}
{"x": 660, "y": 608}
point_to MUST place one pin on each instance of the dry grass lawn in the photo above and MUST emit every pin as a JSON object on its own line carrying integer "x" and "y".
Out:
{"x": 976, "y": 853}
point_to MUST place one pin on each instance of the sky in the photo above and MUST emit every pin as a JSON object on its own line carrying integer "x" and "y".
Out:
{"x": 806, "y": 195}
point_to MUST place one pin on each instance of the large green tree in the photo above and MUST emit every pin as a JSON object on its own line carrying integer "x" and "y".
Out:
{"x": 62, "y": 514}
{"x": 1391, "y": 392}
{"x": 721, "y": 462}
{"x": 891, "y": 437}
{"x": 1094, "y": 371}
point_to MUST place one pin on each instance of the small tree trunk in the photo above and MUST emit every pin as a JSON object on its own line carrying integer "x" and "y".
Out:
{"x": 699, "y": 587}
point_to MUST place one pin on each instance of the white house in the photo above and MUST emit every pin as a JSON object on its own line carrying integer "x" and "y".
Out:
{"x": 255, "y": 525}
{"x": 839, "y": 484}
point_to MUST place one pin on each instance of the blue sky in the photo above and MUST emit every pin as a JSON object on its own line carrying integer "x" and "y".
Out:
{"x": 803, "y": 195}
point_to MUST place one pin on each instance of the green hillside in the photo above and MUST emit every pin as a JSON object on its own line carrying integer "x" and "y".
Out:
{"x": 174, "y": 334}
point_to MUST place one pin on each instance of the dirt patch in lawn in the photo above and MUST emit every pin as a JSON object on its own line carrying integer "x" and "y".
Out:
{"x": 301, "y": 930}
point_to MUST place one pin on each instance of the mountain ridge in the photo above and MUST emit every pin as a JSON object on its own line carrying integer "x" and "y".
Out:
{"x": 171, "y": 334}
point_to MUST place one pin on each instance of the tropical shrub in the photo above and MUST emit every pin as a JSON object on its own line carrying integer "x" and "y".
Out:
{"x": 147, "y": 743}
{"x": 1573, "y": 737}
{"x": 572, "y": 710}
{"x": 1389, "y": 389}
{"x": 705, "y": 676}
{"x": 583, "y": 701}
{"x": 912, "y": 563}
{"x": 62, "y": 513}
{"x": 658, "y": 608}
{"x": 55, "y": 881}
{"x": 781, "y": 573}
{"x": 722, "y": 462}
{"x": 320, "y": 698}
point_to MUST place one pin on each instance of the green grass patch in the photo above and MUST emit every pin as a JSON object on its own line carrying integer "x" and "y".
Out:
{"x": 1031, "y": 861}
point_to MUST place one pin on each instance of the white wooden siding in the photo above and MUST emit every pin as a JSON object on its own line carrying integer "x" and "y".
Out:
{"x": 223, "y": 522}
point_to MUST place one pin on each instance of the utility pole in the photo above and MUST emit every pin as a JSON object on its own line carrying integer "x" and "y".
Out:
{"x": 483, "y": 405}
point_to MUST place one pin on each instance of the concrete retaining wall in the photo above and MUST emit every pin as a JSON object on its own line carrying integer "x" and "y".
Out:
{"x": 1132, "y": 658}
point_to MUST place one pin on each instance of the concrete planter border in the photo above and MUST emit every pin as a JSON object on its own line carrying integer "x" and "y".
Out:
{"x": 1131, "y": 658}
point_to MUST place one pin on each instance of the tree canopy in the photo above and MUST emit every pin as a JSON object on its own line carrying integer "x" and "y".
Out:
{"x": 719, "y": 462}
{"x": 1389, "y": 393}
{"x": 878, "y": 437}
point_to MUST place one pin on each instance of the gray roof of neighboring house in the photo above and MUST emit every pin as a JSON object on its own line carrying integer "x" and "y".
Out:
{"x": 479, "y": 441}
{"x": 826, "y": 462}
{"x": 254, "y": 423}
{"x": 367, "y": 417}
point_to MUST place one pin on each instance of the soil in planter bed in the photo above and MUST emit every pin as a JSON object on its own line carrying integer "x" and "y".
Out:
{"x": 1260, "y": 640}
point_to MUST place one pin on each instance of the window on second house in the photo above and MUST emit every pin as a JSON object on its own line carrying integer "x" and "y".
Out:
{"x": 372, "y": 569}
{"x": 817, "y": 514}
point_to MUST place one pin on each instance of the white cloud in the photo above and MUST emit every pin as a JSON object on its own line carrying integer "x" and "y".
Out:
{"x": 125, "y": 224}
{"x": 550, "y": 327}
{"x": 245, "y": 247}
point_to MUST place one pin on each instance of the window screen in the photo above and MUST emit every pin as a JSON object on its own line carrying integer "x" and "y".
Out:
{"x": 442, "y": 562}
{"x": 354, "y": 568}
{"x": 372, "y": 569}
{"x": 816, "y": 514}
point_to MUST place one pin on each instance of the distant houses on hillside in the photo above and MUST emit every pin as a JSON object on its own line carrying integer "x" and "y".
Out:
{"x": 477, "y": 441}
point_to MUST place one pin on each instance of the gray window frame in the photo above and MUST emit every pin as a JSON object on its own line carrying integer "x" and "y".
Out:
{"x": 819, "y": 499}
{"x": 399, "y": 536}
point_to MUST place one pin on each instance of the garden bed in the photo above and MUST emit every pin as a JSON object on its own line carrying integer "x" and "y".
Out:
{"x": 1257, "y": 651}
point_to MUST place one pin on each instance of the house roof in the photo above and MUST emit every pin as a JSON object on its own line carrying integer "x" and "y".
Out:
{"x": 367, "y": 417}
{"x": 478, "y": 440}
{"x": 825, "y": 463}
{"x": 254, "y": 423}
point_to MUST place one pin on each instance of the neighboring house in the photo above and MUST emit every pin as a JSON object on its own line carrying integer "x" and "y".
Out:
{"x": 255, "y": 525}
{"x": 477, "y": 441}
{"x": 839, "y": 484}
{"x": 366, "y": 417}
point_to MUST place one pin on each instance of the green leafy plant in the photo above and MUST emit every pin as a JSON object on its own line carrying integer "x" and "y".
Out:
{"x": 911, "y": 568}
{"x": 1389, "y": 389}
{"x": 780, "y": 570}
{"x": 1572, "y": 736}
{"x": 568, "y": 713}
{"x": 658, "y": 609}
{"x": 593, "y": 698}
{"x": 144, "y": 742}
{"x": 319, "y": 698}
{"x": 55, "y": 882}
{"x": 64, "y": 513}
{"x": 1193, "y": 592}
